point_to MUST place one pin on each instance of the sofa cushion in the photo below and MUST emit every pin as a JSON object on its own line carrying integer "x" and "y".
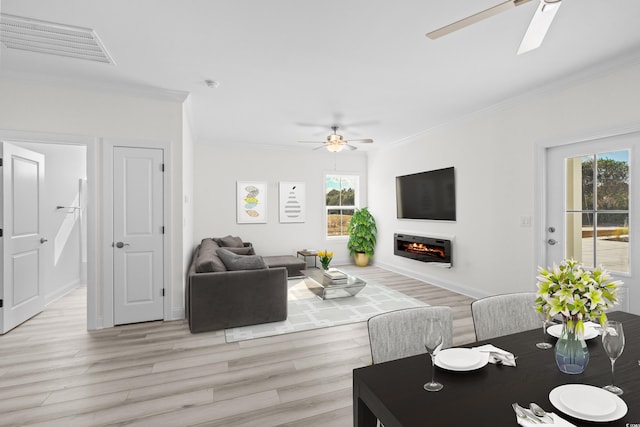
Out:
{"x": 294, "y": 265}
{"x": 247, "y": 250}
{"x": 240, "y": 262}
{"x": 229, "y": 242}
{"x": 208, "y": 260}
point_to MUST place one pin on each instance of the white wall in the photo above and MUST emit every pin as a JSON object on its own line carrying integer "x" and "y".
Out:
{"x": 100, "y": 113}
{"x": 65, "y": 165}
{"x": 217, "y": 170}
{"x": 187, "y": 197}
{"x": 493, "y": 153}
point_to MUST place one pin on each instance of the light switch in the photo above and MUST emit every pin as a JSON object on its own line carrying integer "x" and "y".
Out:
{"x": 525, "y": 221}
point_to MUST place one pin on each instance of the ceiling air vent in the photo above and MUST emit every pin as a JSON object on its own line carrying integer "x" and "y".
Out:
{"x": 32, "y": 35}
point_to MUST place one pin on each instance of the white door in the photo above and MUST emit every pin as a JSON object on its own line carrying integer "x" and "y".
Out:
{"x": 22, "y": 187}
{"x": 138, "y": 234}
{"x": 590, "y": 209}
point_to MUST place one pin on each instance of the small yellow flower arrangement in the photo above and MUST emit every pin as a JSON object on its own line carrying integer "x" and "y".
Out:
{"x": 325, "y": 258}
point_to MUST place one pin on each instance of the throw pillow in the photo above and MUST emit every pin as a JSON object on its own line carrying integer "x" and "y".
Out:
{"x": 208, "y": 260}
{"x": 247, "y": 250}
{"x": 230, "y": 242}
{"x": 240, "y": 262}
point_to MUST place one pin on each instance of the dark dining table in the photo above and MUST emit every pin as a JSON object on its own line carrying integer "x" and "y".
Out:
{"x": 393, "y": 391}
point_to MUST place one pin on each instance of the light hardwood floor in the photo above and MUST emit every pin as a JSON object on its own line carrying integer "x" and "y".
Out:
{"x": 55, "y": 373}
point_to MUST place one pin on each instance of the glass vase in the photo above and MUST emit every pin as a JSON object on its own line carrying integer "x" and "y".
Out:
{"x": 572, "y": 353}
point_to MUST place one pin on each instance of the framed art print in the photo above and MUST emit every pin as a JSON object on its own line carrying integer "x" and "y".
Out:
{"x": 292, "y": 202}
{"x": 251, "y": 202}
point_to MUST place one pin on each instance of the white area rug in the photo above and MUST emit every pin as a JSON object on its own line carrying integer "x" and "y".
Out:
{"x": 307, "y": 311}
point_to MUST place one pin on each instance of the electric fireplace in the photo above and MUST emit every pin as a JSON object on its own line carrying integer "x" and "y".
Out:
{"x": 425, "y": 249}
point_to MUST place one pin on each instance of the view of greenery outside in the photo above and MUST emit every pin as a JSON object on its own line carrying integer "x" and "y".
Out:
{"x": 611, "y": 187}
{"x": 605, "y": 210}
{"x": 340, "y": 202}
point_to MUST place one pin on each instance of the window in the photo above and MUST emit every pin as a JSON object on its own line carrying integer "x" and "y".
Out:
{"x": 597, "y": 210}
{"x": 341, "y": 200}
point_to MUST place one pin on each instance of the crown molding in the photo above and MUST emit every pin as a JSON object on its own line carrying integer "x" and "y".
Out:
{"x": 121, "y": 88}
{"x": 250, "y": 146}
{"x": 595, "y": 71}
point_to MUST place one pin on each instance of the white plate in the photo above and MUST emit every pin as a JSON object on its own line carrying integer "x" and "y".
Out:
{"x": 461, "y": 359}
{"x": 588, "y": 403}
{"x": 556, "y": 331}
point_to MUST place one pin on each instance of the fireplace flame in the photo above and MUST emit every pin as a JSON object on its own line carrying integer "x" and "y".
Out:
{"x": 422, "y": 249}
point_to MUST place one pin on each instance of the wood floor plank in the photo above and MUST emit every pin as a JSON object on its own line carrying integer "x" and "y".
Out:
{"x": 54, "y": 372}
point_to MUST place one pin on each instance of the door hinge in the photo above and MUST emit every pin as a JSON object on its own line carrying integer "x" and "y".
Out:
{"x": 1, "y": 302}
{"x": 0, "y": 162}
{"x": 163, "y": 229}
{"x": 0, "y": 232}
{"x": 162, "y": 167}
{"x": 162, "y": 291}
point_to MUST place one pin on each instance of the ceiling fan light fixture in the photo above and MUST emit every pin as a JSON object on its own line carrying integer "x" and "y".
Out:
{"x": 335, "y": 148}
{"x": 336, "y": 143}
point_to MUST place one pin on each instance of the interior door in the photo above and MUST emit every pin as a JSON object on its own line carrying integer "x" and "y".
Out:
{"x": 590, "y": 209}
{"x": 22, "y": 187}
{"x": 138, "y": 234}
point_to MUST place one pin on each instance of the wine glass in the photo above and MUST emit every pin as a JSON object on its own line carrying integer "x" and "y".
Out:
{"x": 613, "y": 343}
{"x": 433, "y": 344}
{"x": 546, "y": 322}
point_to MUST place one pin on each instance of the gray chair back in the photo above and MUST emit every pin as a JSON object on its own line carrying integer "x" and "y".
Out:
{"x": 401, "y": 333}
{"x": 505, "y": 314}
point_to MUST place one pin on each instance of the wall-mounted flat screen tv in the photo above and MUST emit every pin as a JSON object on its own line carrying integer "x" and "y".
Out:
{"x": 427, "y": 195}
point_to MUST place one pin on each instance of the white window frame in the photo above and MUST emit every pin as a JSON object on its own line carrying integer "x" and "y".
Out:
{"x": 343, "y": 207}
{"x": 595, "y": 211}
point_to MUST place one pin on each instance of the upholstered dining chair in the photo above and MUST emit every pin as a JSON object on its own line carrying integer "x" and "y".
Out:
{"x": 401, "y": 333}
{"x": 504, "y": 314}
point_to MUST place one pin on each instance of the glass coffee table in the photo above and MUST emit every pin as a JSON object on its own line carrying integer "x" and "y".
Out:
{"x": 327, "y": 288}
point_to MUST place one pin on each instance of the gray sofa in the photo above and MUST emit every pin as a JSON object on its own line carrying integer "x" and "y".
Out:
{"x": 228, "y": 285}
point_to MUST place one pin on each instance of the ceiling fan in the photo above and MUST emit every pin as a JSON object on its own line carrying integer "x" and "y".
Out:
{"x": 337, "y": 142}
{"x": 538, "y": 27}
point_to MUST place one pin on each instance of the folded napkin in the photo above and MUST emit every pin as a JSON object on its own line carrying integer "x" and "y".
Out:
{"x": 596, "y": 326}
{"x": 497, "y": 355}
{"x": 557, "y": 422}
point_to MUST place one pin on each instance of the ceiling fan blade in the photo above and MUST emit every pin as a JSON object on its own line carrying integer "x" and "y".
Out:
{"x": 361, "y": 141}
{"x": 539, "y": 26}
{"x": 312, "y": 142}
{"x": 320, "y": 146}
{"x": 350, "y": 147}
{"x": 465, "y": 22}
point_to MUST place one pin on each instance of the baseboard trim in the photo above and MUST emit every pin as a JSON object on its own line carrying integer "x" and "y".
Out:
{"x": 99, "y": 323}
{"x": 450, "y": 286}
{"x": 176, "y": 314}
{"x": 59, "y": 293}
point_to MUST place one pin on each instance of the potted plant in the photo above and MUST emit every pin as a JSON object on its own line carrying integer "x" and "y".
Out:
{"x": 362, "y": 236}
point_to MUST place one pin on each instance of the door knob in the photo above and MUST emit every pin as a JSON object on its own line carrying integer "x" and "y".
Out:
{"x": 42, "y": 240}
{"x": 121, "y": 245}
{"x": 552, "y": 242}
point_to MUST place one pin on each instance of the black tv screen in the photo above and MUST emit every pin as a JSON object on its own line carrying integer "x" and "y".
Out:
{"x": 427, "y": 195}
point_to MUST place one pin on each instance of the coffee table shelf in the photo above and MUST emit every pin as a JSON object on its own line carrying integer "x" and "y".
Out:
{"x": 326, "y": 288}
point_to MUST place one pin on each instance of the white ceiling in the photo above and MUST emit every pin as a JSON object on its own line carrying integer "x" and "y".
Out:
{"x": 289, "y": 69}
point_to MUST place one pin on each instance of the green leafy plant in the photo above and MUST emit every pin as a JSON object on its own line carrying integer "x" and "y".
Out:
{"x": 362, "y": 232}
{"x": 575, "y": 293}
